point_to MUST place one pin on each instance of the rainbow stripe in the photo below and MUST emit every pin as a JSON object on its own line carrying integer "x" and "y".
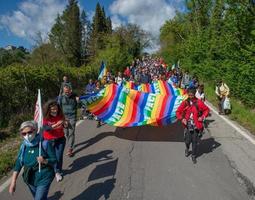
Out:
{"x": 124, "y": 107}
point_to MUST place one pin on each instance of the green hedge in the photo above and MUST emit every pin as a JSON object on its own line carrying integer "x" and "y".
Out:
{"x": 19, "y": 85}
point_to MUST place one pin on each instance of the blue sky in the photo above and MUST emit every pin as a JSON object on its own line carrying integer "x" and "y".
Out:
{"x": 20, "y": 20}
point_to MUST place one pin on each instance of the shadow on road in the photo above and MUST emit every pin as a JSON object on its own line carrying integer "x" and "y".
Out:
{"x": 104, "y": 170}
{"x": 83, "y": 145}
{"x": 207, "y": 146}
{"x": 57, "y": 195}
{"x": 171, "y": 133}
{"x": 85, "y": 161}
{"x": 98, "y": 190}
{"x": 102, "y": 189}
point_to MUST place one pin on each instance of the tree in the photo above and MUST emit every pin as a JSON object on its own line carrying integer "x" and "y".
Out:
{"x": 100, "y": 28}
{"x": 66, "y": 34}
{"x": 72, "y": 25}
{"x": 45, "y": 54}
{"x": 86, "y": 31}
{"x": 215, "y": 39}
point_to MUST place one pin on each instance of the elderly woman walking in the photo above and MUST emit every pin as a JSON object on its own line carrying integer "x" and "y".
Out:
{"x": 28, "y": 158}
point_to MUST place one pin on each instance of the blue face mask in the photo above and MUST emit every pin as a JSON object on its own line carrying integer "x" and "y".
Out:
{"x": 31, "y": 139}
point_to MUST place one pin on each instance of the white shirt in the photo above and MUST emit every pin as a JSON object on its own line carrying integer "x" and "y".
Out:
{"x": 200, "y": 96}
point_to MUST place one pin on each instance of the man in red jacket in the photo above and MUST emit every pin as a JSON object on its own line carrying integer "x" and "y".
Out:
{"x": 192, "y": 113}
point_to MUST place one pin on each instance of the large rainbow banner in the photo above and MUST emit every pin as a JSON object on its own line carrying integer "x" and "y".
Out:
{"x": 124, "y": 107}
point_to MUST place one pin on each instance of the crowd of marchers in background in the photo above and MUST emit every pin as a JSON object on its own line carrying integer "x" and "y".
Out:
{"x": 149, "y": 70}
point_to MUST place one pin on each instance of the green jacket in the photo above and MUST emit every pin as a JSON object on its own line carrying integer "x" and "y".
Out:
{"x": 47, "y": 173}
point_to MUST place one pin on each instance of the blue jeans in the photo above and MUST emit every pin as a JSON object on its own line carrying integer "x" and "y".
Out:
{"x": 59, "y": 146}
{"x": 39, "y": 192}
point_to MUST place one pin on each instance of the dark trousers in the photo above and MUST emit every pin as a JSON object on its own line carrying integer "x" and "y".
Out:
{"x": 59, "y": 146}
{"x": 191, "y": 137}
{"x": 221, "y": 103}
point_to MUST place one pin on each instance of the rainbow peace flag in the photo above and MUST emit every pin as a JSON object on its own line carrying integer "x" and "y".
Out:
{"x": 124, "y": 107}
{"x": 103, "y": 71}
{"x": 158, "y": 87}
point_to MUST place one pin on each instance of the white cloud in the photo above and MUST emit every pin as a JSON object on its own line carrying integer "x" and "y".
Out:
{"x": 31, "y": 17}
{"x": 116, "y": 21}
{"x": 150, "y": 15}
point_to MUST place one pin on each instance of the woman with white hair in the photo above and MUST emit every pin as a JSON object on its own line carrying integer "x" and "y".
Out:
{"x": 29, "y": 159}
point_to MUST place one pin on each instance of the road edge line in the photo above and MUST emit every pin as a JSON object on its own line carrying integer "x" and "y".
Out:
{"x": 230, "y": 123}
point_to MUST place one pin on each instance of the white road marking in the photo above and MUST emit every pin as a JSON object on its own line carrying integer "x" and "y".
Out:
{"x": 243, "y": 133}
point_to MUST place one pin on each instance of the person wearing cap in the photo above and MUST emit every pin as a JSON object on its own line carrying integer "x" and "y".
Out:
{"x": 192, "y": 113}
{"x": 28, "y": 159}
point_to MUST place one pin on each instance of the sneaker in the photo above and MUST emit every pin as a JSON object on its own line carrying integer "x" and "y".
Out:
{"x": 70, "y": 152}
{"x": 186, "y": 152}
{"x": 98, "y": 124}
{"x": 58, "y": 177}
{"x": 194, "y": 160}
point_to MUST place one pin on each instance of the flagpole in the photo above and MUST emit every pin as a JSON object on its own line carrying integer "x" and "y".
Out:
{"x": 38, "y": 117}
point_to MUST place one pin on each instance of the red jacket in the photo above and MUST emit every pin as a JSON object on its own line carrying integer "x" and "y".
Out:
{"x": 53, "y": 133}
{"x": 185, "y": 110}
{"x": 127, "y": 72}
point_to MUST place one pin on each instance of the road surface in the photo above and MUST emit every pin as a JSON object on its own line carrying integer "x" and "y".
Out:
{"x": 148, "y": 163}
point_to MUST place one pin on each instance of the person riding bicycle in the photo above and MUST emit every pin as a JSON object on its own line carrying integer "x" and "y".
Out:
{"x": 192, "y": 113}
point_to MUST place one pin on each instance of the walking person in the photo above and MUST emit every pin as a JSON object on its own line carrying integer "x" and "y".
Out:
{"x": 222, "y": 92}
{"x": 69, "y": 104}
{"x": 200, "y": 94}
{"x": 192, "y": 113}
{"x": 53, "y": 134}
{"x": 28, "y": 159}
{"x": 65, "y": 82}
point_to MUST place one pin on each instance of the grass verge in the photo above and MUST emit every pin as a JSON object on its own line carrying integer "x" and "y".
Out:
{"x": 9, "y": 148}
{"x": 243, "y": 115}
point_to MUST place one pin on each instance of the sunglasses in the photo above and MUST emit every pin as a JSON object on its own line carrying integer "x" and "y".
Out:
{"x": 25, "y": 133}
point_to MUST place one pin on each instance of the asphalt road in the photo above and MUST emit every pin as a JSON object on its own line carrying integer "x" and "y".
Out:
{"x": 148, "y": 163}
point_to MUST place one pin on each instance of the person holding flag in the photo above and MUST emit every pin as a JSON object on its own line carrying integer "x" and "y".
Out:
{"x": 36, "y": 161}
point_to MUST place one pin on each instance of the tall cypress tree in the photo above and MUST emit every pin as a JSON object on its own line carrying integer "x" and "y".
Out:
{"x": 99, "y": 29}
{"x": 86, "y": 31}
{"x": 66, "y": 34}
{"x": 71, "y": 18}
{"x": 109, "y": 25}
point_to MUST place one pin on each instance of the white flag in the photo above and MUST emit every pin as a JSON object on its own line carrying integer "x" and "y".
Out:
{"x": 38, "y": 115}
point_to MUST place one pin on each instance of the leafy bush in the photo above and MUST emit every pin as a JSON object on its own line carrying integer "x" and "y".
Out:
{"x": 19, "y": 85}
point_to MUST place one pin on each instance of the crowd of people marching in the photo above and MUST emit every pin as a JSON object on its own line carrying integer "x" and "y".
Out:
{"x": 60, "y": 117}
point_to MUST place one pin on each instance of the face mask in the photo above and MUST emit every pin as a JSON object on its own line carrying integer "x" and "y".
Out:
{"x": 29, "y": 137}
{"x": 54, "y": 114}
